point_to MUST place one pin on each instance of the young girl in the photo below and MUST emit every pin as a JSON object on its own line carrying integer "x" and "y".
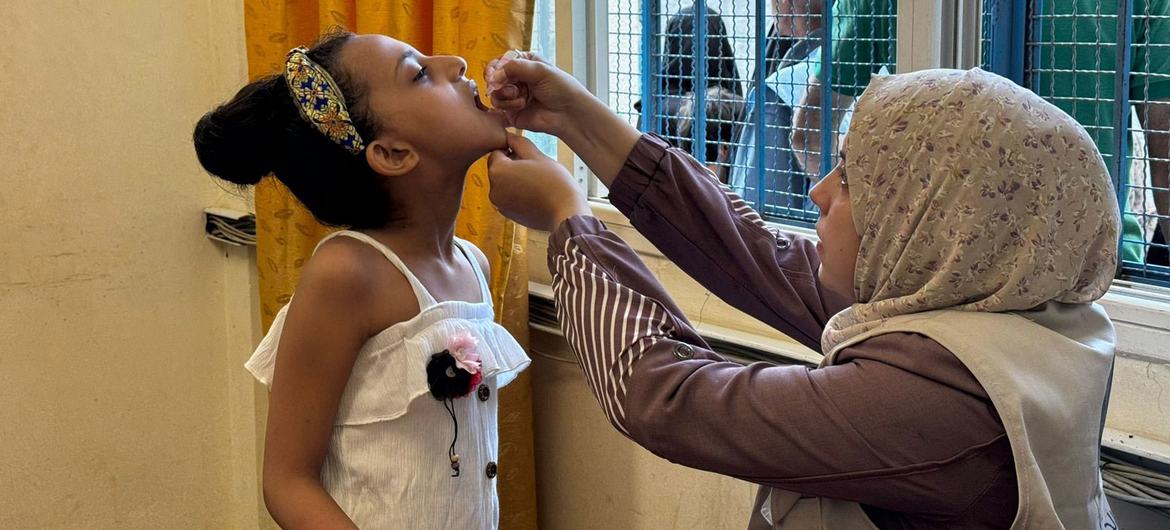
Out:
{"x": 384, "y": 369}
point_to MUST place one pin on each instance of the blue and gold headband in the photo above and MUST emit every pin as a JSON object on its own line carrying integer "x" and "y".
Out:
{"x": 320, "y": 100}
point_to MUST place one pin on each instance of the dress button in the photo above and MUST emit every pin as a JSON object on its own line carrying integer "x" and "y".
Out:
{"x": 684, "y": 351}
{"x": 491, "y": 470}
{"x": 484, "y": 392}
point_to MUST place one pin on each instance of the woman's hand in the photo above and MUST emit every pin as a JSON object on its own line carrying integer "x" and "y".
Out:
{"x": 540, "y": 97}
{"x": 532, "y": 189}
{"x": 533, "y": 94}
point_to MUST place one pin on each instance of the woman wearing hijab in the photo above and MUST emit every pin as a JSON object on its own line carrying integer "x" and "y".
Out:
{"x": 962, "y": 241}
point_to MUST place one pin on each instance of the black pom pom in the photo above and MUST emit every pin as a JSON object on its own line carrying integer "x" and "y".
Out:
{"x": 446, "y": 380}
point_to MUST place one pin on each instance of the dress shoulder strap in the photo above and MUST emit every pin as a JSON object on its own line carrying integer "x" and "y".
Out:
{"x": 421, "y": 293}
{"x": 484, "y": 285}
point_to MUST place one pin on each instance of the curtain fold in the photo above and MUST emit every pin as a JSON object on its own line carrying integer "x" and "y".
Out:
{"x": 286, "y": 233}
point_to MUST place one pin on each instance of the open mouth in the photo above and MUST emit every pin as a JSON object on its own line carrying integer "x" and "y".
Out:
{"x": 475, "y": 97}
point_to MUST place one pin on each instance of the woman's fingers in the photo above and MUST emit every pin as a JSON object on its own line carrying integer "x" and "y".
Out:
{"x": 497, "y": 160}
{"x": 504, "y": 163}
{"x": 523, "y": 148}
{"x": 519, "y": 70}
{"x": 508, "y": 92}
{"x": 512, "y": 104}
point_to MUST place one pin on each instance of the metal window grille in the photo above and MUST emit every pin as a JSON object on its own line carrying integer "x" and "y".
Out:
{"x": 1106, "y": 63}
{"x": 692, "y": 71}
{"x": 719, "y": 79}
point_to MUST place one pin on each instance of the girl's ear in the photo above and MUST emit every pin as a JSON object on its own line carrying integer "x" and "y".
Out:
{"x": 391, "y": 158}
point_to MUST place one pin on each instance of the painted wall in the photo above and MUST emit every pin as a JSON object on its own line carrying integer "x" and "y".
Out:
{"x": 122, "y": 329}
{"x": 589, "y": 476}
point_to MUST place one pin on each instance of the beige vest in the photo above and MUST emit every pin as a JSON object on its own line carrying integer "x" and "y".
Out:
{"x": 1047, "y": 373}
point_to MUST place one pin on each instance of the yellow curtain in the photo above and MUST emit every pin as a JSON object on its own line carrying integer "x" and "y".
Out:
{"x": 477, "y": 30}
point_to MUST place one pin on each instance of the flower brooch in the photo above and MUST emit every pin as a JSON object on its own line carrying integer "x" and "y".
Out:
{"x": 451, "y": 374}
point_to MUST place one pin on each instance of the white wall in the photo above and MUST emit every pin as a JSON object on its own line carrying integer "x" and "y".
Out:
{"x": 121, "y": 328}
{"x": 589, "y": 476}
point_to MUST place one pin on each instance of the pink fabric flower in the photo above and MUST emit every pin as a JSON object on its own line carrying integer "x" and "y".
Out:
{"x": 462, "y": 348}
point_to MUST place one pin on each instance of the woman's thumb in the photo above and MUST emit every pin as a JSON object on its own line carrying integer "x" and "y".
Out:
{"x": 497, "y": 163}
{"x": 520, "y": 70}
{"x": 522, "y": 147}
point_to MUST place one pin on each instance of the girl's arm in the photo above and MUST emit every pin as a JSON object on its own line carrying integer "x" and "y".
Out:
{"x": 318, "y": 347}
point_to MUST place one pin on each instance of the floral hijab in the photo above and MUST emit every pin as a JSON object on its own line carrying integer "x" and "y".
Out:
{"x": 971, "y": 193}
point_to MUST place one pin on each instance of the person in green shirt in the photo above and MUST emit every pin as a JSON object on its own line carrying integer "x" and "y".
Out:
{"x": 1075, "y": 69}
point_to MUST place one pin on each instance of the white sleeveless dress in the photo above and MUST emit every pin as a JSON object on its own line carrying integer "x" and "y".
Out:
{"x": 388, "y": 465}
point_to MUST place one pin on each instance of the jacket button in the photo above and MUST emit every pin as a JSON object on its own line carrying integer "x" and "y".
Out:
{"x": 484, "y": 392}
{"x": 491, "y": 470}
{"x": 782, "y": 243}
{"x": 684, "y": 351}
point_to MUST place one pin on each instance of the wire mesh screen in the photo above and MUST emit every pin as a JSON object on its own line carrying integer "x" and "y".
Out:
{"x": 735, "y": 83}
{"x": 1107, "y": 63}
{"x": 985, "y": 23}
{"x": 1148, "y": 198}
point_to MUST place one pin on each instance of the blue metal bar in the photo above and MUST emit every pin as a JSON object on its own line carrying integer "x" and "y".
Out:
{"x": 827, "y": 131}
{"x": 1118, "y": 166}
{"x": 650, "y": 57}
{"x": 1037, "y": 37}
{"x": 1019, "y": 14}
{"x": 1007, "y": 38}
{"x": 758, "y": 95}
{"x": 699, "y": 47}
{"x": 999, "y": 54}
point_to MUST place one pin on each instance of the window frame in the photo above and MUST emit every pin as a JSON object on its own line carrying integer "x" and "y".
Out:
{"x": 1141, "y": 311}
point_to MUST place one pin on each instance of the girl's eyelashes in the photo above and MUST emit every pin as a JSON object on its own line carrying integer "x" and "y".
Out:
{"x": 422, "y": 72}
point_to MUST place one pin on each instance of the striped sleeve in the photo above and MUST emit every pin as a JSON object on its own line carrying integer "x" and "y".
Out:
{"x": 718, "y": 239}
{"x": 612, "y": 313}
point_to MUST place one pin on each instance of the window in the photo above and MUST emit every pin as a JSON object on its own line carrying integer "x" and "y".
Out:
{"x": 732, "y": 80}
{"x": 736, "y": 83}
{"x": 1106, "y": 63}
{"x": 544, "y": 43}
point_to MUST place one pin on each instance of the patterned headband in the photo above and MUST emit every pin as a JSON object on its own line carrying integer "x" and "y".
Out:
{"x": 320, "y": 100}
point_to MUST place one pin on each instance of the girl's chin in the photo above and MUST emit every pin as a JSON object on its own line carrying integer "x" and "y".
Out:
{"x": 485, "y": 136}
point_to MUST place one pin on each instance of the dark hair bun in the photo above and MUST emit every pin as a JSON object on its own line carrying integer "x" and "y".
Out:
{"x": 235, "y": 141}
{"x": 261, "y": 131}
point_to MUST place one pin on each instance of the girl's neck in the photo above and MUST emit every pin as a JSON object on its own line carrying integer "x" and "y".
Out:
{"x": 425, "y": 212}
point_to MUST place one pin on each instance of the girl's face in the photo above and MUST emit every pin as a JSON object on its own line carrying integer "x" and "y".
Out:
{"x": 424, "y": 103}
{"x": 839, "y": 242}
